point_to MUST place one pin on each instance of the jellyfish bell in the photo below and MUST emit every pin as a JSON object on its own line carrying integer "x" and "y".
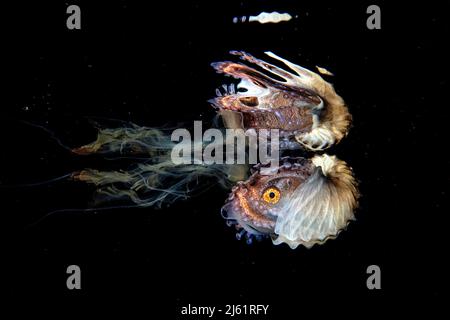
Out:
{"x": 302, "y": 105}
{"x": 302, "y": 202}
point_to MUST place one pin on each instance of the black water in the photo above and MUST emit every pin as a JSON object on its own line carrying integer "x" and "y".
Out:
{"x": 149, "y": 64}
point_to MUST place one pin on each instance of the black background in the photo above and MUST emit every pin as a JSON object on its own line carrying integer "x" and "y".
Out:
{"x": 150, "y": 64}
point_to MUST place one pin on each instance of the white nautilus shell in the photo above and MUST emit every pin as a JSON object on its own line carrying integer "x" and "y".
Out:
{"x": 321, "y": 207}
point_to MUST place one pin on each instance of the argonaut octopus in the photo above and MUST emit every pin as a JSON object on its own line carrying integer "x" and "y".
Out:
{"x": 303, "y": 201}
{"x": 303, "y": 106}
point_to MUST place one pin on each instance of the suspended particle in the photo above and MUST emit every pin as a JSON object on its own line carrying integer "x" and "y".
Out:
{"x": 265, "y": 17}
{"x": 324, "y": 71}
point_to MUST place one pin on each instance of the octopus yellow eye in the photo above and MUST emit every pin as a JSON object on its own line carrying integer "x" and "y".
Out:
{"x": 271, "y": 195}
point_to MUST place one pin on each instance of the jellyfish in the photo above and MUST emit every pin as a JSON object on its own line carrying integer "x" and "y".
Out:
{"x": 155, "y": 179}
{"x": 303, "y": 199}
